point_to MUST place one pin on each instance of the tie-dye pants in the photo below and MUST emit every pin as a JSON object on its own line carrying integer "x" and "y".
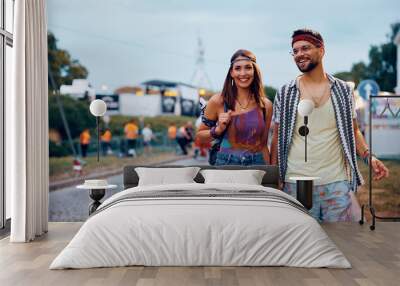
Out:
{"x": 331, "y": 202}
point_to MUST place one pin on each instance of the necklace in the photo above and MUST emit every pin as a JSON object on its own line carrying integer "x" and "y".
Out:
{"x": 244, "y": 107}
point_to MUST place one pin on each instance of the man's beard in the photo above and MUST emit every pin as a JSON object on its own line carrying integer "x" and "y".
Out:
{"x": 312, "y": 65}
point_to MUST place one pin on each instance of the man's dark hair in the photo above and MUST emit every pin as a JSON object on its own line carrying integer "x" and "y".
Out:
{"x": 308, "y": 32}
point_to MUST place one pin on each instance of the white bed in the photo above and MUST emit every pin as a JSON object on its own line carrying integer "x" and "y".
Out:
{"x": 225, "y": 225}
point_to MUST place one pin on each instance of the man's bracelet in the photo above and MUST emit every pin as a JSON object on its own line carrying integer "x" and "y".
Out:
{"x": 365, "y": 156}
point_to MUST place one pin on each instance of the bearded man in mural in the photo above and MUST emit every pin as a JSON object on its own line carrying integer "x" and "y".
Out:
{"x": 334, "y": 139}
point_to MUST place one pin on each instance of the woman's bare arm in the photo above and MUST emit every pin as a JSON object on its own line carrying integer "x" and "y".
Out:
{"x": 213, "y": 107}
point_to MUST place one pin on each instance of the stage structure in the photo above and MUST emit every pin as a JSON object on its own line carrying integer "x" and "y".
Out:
{"x": 200, "y": 77}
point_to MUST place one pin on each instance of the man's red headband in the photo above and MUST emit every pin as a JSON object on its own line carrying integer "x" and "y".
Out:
{"x": 309, "y": 38}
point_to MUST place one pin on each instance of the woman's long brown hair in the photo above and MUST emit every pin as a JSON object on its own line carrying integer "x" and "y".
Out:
{"x": 229, "y": 92}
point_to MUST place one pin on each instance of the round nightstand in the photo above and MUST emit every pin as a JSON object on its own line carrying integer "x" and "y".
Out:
{"x": 96, "y": 193}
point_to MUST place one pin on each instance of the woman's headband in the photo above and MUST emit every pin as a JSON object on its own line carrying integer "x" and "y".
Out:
{"x": 243, "y": 58}
{"x": 309, "y": 38}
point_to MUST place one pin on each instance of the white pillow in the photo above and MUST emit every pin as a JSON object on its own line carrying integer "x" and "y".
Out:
{"x": 164, "y": 176}
{"x": 249, "y": 177}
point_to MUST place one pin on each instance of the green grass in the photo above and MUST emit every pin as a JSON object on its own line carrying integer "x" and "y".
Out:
{"x": 392, "y": 183}
{"x": 62, "y": 167}
{"x": 386, "y": 193}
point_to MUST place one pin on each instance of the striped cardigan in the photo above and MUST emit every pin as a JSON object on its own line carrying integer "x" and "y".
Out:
{"x": 285, "y": 110}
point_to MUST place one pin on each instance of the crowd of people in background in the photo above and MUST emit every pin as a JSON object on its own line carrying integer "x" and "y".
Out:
{"x": 136, "y": 134}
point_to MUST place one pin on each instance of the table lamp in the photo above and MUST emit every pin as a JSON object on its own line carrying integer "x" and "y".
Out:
{"x": 305, "y": 108}
{"x": 98, "y": 108}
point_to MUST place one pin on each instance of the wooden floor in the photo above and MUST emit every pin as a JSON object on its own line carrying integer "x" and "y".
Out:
{"x": 374, "y": 255}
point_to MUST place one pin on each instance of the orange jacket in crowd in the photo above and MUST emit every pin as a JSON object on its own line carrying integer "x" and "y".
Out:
{"x": 106, "y": 137}
{"x": 131, "y": 131}
{"x": 84, "y": 138}
{"x": 172, "y": 132}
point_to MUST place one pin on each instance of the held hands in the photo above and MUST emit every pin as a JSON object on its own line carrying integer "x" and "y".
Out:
{"x": 223, "y": 121}
{"x": 379, "y": 169}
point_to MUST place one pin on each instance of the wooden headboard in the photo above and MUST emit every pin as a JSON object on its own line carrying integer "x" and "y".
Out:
{"x": 270, "y": 179}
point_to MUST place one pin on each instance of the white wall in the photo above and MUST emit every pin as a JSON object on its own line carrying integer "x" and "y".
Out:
{"x": 130, "y": 104}
{"x": 8, "y": 112}
{"x": 397, "y": 43}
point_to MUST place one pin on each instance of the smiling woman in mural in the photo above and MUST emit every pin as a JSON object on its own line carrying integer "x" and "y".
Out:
{"x": 239, "y": 117}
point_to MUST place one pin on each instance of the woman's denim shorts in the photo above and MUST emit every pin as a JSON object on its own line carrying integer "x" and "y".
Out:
{"x": 245, "y": 160}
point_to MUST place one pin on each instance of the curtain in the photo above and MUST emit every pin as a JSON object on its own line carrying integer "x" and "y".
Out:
{"x": 27, "y": 124}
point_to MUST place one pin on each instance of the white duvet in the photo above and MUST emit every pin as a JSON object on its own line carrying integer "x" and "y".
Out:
{"x": 185, "y": 231}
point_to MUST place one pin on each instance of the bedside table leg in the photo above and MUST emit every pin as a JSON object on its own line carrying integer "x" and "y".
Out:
{"x": 96, "y": 195}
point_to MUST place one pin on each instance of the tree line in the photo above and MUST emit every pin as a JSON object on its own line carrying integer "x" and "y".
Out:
{"x": 381, "y": 66}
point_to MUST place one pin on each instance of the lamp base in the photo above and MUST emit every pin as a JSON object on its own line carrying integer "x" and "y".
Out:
{"x": 304, "y": 190}
{"x": 304, "y": 193}
{"x": 96, "y": 195}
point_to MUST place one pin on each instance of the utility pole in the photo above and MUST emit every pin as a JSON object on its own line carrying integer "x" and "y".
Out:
{"x": 62, "y": 113}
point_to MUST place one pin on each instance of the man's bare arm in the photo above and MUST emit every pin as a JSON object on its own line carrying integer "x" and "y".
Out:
{"x": 379, "y": 169}
{"x": 274, "y": 144}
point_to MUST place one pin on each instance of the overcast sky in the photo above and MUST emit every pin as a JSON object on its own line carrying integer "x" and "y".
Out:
{"x": 125, "y": 42}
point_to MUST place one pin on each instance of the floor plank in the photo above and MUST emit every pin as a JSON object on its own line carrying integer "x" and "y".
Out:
{"x": 374, "y": 255}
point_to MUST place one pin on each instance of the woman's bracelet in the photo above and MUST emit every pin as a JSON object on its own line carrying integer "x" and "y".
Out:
{"x": 214, "y": 133}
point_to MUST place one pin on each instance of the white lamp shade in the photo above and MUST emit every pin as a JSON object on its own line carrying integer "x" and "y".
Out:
{"x": 98, "y": 107}
{"x": 305, "y": 107}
